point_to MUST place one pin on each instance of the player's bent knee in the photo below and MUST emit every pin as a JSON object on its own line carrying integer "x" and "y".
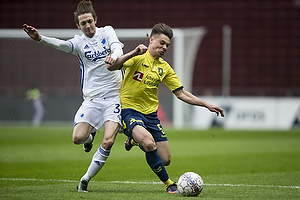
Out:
{"x": 77, "y": 140}
{"x": 107, "y": 144}
{"x": 149, "y": 145}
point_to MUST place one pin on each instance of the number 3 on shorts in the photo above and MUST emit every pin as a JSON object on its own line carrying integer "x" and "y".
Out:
{"x": 117, "y": 110}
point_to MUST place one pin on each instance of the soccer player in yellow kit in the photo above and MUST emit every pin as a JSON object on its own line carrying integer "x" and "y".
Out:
{"x": 144, "y": 71}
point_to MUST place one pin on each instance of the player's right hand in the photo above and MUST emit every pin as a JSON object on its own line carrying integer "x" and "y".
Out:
{"x": 32, "y": 32}
{"x": 109, "y": 60}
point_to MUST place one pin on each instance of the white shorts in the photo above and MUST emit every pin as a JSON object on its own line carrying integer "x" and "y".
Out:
{"x": 98, "y": 110}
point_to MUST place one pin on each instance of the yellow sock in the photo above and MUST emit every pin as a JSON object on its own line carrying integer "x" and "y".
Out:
{"x": 168, "y": 183}
{"x": 134, "y": 143}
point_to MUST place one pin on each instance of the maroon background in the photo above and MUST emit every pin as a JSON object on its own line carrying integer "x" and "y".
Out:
{"x": 265, "y": 36}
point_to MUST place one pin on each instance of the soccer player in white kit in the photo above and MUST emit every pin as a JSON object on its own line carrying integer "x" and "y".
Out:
{"x": 100, "y": 87}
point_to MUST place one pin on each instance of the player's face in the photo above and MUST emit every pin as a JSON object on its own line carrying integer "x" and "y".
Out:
{"x": 87, "y": 24}
{"x": 159, "y": 44}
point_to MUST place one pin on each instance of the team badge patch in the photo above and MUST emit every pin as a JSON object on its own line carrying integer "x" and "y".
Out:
{"x": 138, "y": 76}
{"x": 160, "y": 71}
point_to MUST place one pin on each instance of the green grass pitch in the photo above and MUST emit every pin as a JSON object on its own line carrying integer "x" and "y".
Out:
{"x": 43, "y": 163}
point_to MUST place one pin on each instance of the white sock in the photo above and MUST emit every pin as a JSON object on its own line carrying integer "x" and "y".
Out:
{"x": 90, "y": 138}
{"x": 97, "y": 163}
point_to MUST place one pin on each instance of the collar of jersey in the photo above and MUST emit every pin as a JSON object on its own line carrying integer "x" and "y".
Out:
{"x": 147, "y": 54}
{"x": 95, "y": 35}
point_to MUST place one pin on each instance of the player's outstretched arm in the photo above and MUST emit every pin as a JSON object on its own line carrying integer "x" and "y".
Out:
{"x": 191, "y": 99}
{"x": 51, "y": 42}
{"x": 140, "y": 49}
{"x": 32, "y": 32}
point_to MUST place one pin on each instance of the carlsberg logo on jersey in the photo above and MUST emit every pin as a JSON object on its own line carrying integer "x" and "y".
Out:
{"x": 94, "y": 56}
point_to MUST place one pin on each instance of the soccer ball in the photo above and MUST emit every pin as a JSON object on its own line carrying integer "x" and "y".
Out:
{"x": 190, "y": 184}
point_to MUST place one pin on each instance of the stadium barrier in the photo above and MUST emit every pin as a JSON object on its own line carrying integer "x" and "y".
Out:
{"x": 250, "y": 113}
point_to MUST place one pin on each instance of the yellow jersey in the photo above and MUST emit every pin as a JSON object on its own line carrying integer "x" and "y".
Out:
{"x": 33, "y": 94}
{"x": 143, "y": 75}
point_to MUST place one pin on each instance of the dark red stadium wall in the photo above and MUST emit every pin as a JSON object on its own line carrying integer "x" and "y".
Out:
{"x": 265, "y": 35}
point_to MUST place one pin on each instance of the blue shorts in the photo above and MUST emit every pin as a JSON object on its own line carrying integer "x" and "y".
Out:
{"x": 150, "y": 122}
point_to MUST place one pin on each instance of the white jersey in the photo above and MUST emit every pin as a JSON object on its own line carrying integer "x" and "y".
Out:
{"x": 96, "y": 79}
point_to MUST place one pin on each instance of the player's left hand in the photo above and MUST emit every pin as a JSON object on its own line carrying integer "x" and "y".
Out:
{"x": 140, "y": 49}
{"x": 216, "y": 109}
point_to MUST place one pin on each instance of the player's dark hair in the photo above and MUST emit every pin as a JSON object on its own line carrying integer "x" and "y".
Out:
{"x": 162, "y": 28}
{"x": 84, "y": 7}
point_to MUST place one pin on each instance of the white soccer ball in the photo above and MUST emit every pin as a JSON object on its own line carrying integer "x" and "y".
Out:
{"x": 190, "y": 184}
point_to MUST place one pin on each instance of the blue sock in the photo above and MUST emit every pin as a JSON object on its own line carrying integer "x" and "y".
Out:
{"x": 156, "y": 164}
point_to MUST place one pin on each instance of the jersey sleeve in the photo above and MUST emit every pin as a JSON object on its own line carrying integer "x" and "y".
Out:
{"x": 172, "y": 81}
{"x": 117, "y": 51}
{"x": 114, "y": 42}
{"x": 62, "y": 45}
{"x": 112, "y": 36}
{"x": 128, "y": 63}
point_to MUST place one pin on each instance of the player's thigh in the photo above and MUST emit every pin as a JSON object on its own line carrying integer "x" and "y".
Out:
{"x": 143, "y": 137}
{"x": 164, "y": 152}
{"x": 81, "y": 132}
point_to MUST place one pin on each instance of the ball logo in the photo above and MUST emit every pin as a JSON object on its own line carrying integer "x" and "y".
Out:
{"x": 138, "y": 76}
